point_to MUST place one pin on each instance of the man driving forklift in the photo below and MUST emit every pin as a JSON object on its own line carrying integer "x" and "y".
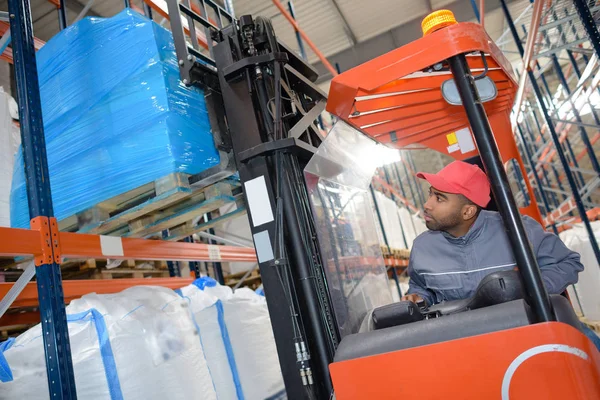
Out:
{"x": 473, "y": 242}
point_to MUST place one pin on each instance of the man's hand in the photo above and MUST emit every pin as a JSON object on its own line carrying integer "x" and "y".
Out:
{"x": 415, "y": 298}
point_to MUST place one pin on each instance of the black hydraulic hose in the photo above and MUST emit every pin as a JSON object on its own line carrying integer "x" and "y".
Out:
{"x": 297, "y": 254}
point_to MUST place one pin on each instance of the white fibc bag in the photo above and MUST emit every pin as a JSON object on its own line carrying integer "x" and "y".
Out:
{"x": 249, "y": 326}
{"x": 137, "y": 344}
{"x": 213, "y": 334}
{"x": 23, "y": 363}
{"x": 235, "y": 326}
{"x": 584, "y": 294}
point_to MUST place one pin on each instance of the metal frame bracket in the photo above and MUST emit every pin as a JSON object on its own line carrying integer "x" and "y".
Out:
{"x": 49, "y": 240}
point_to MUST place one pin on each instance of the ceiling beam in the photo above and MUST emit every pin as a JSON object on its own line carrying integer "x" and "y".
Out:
{"x": 390, "y": 40}
{"x": 346, "y": 26}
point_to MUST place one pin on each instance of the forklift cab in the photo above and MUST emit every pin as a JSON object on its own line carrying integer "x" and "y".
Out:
{"x": 511, "y": 340}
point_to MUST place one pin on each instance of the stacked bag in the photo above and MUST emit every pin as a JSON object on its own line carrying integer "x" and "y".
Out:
{"x": 203, "y": 341}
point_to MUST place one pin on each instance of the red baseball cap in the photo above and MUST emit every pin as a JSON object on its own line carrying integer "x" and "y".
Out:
{"x": 463, "y": 178}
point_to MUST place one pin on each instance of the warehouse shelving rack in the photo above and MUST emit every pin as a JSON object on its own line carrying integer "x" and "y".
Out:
{"x": 48, "y": 246}
{"x": 555, "y": 116}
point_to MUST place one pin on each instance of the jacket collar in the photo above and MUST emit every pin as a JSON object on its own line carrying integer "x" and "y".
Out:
{"x": 474, "y": 232}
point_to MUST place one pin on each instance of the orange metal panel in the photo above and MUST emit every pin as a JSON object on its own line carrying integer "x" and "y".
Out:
{"x": 417, "y": 82}
{"x": 415, "y": 56}
{"x": 404, "y": 129}
{"x": 476, "y": 368}
{"x": 404, "y": 112}
{"x": 19, "y": 242}
{"x": 426, "y": 95}
{"x": 74, "y": 289}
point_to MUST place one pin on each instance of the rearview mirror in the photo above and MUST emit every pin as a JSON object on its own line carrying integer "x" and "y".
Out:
{"x": 485, "y": 86}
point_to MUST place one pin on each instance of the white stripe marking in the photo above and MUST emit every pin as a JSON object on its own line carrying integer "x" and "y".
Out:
{"x": 111, "y": 246}
{"x": 214, "y": 252}
{"x": 546, "y": 348}
{"x": 258, "y": 201}
{"x": 467, "y": 272}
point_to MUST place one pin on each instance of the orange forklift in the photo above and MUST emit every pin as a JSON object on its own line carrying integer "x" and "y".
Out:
{"x": 452, "y": 91}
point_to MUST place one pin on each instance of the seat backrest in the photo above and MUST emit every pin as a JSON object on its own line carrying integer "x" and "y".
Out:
{"x": 496, "y": 288}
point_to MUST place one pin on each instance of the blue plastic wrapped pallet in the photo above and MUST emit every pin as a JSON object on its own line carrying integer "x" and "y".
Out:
{"x": 116, "y": 115}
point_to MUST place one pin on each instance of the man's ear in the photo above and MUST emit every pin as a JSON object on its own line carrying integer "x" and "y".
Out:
{"x": 469, "y": 211}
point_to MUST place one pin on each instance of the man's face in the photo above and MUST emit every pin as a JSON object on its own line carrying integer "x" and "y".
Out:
{"x": 442, "y": 211}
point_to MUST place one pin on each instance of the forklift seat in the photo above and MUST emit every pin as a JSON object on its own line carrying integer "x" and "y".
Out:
{"x": 495, "y": 288}
{"x": 499, "y": 317}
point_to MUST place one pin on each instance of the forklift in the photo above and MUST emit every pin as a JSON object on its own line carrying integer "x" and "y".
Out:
{"x": 325, "y": 281}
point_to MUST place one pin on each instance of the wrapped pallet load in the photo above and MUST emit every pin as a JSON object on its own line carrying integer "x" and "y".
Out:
{"x": 203, "y": 341}
{"x": 116, "y": 115}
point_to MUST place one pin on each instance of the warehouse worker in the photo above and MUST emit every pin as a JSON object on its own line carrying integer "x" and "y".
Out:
{"x": 465, "y": 243}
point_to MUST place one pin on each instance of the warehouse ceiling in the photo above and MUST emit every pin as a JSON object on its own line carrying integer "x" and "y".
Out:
{"x": 348, "y": 32}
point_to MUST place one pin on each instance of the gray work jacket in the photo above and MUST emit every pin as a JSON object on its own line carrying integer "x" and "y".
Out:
{"x": 443, "y": 267}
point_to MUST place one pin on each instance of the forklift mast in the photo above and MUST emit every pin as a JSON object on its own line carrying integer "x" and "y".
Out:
{"x": 263, "y": 103}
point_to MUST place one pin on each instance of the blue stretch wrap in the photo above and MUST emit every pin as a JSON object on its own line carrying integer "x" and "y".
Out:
{"x": 205, "y": 281}
{"x": 116, "y": 115}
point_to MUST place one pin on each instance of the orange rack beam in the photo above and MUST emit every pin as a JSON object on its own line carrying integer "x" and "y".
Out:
{"x": 26, "y": 242}
{"x": 77, "y": 245}
{"x": 23, "y": 242}
{"x": 74, "y": 289}
{"x": 7, "y": 55}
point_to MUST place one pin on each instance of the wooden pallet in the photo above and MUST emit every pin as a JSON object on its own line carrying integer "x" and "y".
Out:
{"x": 400, "y": 254}
{"x": 253, "y": 281}
{"x": 593, "y": 325}
{"x": 152, "y": 208}
{"x": 93, "y": 269}
{"x": 130, "y": 273}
